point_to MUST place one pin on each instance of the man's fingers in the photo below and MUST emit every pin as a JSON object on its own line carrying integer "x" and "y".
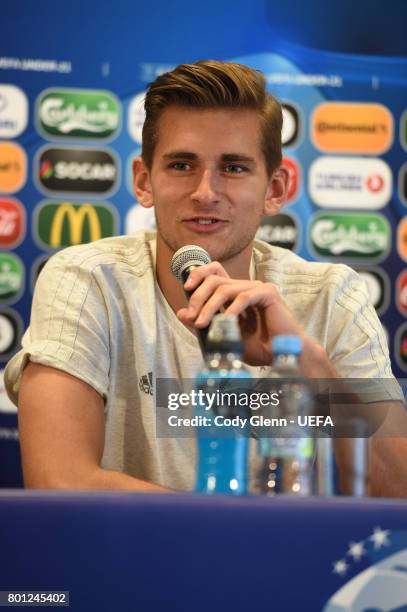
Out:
{"x": 183, "y": 316}
{"x": 205, "y": 290}
{"x": 251, "y": 292}
{"x": 200, "y": 273}
{"x": 245, "y": 299}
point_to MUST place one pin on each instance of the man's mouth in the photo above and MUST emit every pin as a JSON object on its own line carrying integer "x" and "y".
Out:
{"x": 204, "y": 223}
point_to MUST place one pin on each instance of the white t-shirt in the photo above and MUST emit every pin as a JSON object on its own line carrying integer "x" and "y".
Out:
{"x": 99, "y": 314}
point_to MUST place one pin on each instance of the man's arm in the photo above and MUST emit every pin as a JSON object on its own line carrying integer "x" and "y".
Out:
{"x": 388, "y": 452}
{"x": 264, "y": 314}
{"x": 62, "y": 429}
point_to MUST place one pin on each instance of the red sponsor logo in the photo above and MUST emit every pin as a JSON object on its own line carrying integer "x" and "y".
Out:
{"x": 402, "y": 239}
{"x": 401, "y": 292}
{"x": 293, "y": 170}
{"x": 403, "y": 347}
{"x": 12, "y": 222}
{"x": 374, "y": 183}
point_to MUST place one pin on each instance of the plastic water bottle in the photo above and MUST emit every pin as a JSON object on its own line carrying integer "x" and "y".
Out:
{"x": 286, "y": 448}
{"x": 223, "y": 446}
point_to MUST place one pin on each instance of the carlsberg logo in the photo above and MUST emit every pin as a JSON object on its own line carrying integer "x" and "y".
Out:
{"x": 11, "y": 275}
{"x": 81, "y": 113}
{"x": 357, "y": 235}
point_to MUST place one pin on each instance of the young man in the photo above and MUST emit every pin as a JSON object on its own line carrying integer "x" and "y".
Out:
{"x": 109, "y": 317}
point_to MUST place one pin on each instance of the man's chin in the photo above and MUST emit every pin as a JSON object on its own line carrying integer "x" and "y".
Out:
{"x": 213, "y": 245}
{"x": 215, "y": 252}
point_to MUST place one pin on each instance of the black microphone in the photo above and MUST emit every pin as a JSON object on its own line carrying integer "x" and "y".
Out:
{"x": 186, "y": 259}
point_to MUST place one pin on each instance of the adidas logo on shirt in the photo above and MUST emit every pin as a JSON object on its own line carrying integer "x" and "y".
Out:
{"x": 145, "y": 383}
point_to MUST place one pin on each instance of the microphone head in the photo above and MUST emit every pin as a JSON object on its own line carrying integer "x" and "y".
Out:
{"x": 187, "y": 256}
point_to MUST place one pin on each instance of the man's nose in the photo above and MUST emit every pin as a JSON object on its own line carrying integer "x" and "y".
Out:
{"x": 207, "y": 188}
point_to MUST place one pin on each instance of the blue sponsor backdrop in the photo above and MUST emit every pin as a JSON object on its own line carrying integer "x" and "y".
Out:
{"x": 121, "y": 551}
{"x": 311, "y": 53}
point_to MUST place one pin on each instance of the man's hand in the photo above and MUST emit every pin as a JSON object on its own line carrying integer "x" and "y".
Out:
{"x": 262, "y": 314}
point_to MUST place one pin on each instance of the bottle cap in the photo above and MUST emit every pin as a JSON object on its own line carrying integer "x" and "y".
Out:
{"x": 286, "y": 344}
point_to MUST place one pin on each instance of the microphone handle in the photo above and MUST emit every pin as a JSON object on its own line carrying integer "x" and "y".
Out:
{"x": 202, "y": 332}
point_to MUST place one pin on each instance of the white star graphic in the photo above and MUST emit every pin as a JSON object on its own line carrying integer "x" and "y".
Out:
{"x": 340, "y": 567}
{"x": 380, "y": 537}
{"x": 356, "y": 550}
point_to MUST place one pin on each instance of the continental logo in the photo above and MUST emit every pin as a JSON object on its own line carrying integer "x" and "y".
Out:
{"x": 64, "y": 224}
{"x": 13, "y": 167}
{"x": 352, "y": 128}
{"x": 350, "y": 236}
{"x": 81, "y": 113}
{"x": 350, "y": 182}
{"x": 76, "y": 170}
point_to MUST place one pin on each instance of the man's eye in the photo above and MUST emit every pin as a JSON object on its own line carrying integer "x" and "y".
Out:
{"x": 180, "y": 166}
{"x": 234, "y": 169}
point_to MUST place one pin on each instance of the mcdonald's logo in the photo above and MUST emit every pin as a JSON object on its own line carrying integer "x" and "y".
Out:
{"x": 65, "y": 224}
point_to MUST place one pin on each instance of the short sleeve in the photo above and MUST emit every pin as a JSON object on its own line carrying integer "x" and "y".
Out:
{"x": 358, "y": 342}
{"x": 69, "y": 324}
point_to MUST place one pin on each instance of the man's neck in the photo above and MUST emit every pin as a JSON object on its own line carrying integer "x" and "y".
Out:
{"x": 238, "y": 267}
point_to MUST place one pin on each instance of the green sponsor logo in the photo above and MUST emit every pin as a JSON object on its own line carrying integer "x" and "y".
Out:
{"x": 64, "y": 224}
{"x": 11, "y": 276}
{"x": 78, "y": 113}
{"x": 352, "y": 235}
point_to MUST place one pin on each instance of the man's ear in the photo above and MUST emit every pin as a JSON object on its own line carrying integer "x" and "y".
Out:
{"x": 276, "y": 193}
{"x": 141, "y": 183}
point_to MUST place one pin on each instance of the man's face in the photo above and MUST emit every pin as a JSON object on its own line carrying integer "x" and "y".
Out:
{"x": 208, "y": 181}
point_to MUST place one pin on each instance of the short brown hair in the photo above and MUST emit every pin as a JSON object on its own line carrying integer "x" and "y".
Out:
{"x": 214, "y": 84}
